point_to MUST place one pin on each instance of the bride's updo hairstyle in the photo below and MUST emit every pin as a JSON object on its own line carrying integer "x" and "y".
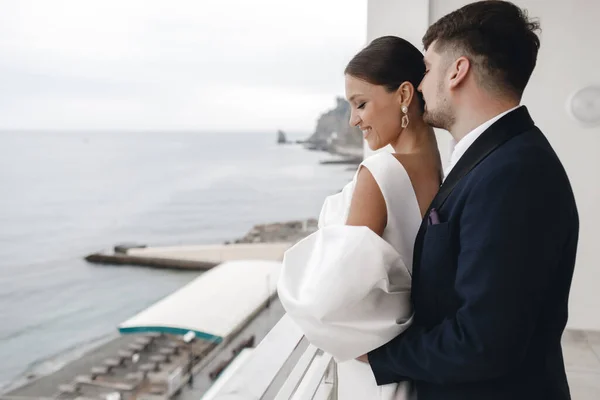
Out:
{"x": 389, "y": 61}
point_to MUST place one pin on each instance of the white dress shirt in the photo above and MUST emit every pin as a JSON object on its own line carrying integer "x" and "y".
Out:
{"x": 458, "y": 149}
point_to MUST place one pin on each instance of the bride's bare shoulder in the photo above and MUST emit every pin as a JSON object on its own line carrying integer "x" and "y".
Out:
{"x": 367, "y": 207}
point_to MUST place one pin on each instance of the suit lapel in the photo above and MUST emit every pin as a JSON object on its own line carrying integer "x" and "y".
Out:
{"x": 507, "y": 127}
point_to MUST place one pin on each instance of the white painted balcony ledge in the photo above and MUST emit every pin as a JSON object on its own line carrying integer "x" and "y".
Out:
{"x": 284, "y": 366}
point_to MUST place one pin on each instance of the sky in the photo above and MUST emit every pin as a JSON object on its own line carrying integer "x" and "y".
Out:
{"x": 208, "y": 65}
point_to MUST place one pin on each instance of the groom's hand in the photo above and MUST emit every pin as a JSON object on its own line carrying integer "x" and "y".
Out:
{"x": 364, "y": 358}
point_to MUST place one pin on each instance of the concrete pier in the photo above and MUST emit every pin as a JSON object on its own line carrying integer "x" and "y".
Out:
{"x": 201, "y": 257}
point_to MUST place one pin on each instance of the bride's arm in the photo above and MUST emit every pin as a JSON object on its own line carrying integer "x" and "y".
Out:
{"x": 367, "y": 207}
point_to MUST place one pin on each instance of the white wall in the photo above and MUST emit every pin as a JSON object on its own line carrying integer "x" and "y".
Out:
{"x": 568, "y": 60}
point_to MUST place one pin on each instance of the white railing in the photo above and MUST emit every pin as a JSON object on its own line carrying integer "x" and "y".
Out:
{"x": 284, "y": 366}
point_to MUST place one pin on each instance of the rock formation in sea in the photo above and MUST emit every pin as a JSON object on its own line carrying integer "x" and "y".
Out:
{"x": 281, "y": 138}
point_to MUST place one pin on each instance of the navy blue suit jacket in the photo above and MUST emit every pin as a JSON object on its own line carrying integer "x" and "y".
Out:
{"x": 491, "y": 281}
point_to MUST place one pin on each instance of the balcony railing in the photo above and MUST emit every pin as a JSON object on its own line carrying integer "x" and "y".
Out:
{"x": 284, "y": 366}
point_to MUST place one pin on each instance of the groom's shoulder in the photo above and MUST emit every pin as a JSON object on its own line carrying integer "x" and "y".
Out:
{"x": 528, "y": 152}
{"x": 527, "y": 157}
{"x": 531, "y": 143}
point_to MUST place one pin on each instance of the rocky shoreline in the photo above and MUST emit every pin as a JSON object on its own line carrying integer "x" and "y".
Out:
{"x": 290, "y": 231}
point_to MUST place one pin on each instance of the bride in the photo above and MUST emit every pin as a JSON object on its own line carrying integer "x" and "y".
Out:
{"x": 347, "y": 286}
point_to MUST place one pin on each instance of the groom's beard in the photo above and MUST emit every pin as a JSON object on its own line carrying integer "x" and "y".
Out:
{"x": 441, "y": 117}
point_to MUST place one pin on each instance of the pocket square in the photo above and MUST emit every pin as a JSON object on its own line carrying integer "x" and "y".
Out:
{"x": 433, "y": 217}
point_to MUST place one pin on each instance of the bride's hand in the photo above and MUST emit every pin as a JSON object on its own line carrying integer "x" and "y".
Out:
{"x": 364, "y": 358}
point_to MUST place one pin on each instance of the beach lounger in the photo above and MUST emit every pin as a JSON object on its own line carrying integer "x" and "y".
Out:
{"x": 68, "y": 388}
{"x": 158, "y": 358}
{"x": 122, "y": 387}
{"x": 143, "y": 341}
{"x": 98, "y": 371}
{"x": 166, "y": 351}
{"x": 113, "y": 362}
{"x": 147, "y": 368}
{"x": 126, "y": 353}
{"x": 136, "y": 347}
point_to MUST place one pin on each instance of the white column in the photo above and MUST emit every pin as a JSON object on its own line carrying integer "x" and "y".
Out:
{"x": 407, "y": 19}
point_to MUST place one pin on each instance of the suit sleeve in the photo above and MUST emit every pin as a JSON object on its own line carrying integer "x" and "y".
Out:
{"x": 510, "y": 238}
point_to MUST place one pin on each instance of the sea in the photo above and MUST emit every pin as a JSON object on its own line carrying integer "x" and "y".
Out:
{"x": 64, "y": 195}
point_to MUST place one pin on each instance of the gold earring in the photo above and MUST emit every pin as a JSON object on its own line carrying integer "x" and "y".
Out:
{"x": 405, "y": 120}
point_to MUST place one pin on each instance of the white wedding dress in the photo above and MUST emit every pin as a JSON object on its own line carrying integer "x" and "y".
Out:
{"x": 348, "y": 289}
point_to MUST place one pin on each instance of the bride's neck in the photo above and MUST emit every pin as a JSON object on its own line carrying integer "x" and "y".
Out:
{"x": 417, "y": 137}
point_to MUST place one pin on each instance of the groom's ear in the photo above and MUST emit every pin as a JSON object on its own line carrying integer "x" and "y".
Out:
{"x": 458, "y": 72}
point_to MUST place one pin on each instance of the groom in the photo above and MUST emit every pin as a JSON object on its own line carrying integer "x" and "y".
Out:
{"x": 494, "y": 256}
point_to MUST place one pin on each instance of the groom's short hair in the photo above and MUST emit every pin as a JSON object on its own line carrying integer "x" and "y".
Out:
{"x": 498, "y": 38}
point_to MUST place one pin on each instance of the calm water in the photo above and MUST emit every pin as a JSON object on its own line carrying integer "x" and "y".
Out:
{"x": 64, "y": 195}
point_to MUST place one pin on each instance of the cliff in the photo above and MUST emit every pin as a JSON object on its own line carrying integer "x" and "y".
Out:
{"x": 333, "y": 129}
